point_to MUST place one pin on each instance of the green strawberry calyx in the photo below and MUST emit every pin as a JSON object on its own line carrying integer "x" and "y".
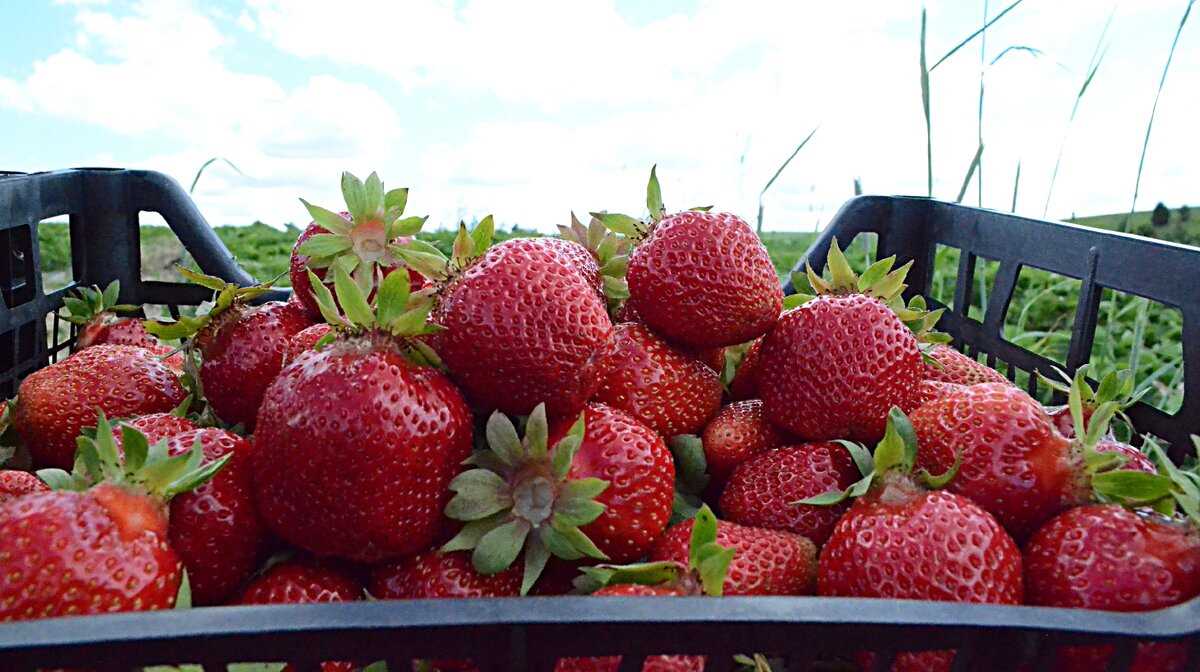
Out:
{"x": 610, "y": 251}
{"x": 880, "y": 281}
{"x": 894, "y": 460}
{"x": 1171, "y": 491}
{"x": 140, "y": 466}
{"x": 369, "y": 237}
{"x": 227, "y": 295}
{"x": 705, "y": 571}
{"x": 92, "y": 302}
{"x": 468, "y": 246}
{"x": 397, "y": 312}
{"x": 1114, "y": 394}
{"x": 638, "y": 229}
{"x": 518, "y": 497}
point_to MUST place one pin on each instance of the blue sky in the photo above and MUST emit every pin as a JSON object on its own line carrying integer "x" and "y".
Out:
{"x": 532, "y": 109}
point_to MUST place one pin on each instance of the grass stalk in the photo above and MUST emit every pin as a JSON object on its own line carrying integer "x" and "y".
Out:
{"x": 1016, "y": 185}
{"x": 205, "y": 166}
{"x": 779, "y": 172}
{"x": 975, "y": 163}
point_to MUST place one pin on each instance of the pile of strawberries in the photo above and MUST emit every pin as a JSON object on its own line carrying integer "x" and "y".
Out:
{"x": 554, "y": 415}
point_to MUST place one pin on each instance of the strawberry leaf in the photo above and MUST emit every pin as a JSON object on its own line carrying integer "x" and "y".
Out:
{"x": 654, "y": 201}
{"x": 536, "y": 556}
{"x": 497, "y": 549}
{"x": 618, "y": 223}
{"x": 354, "y": 192}
{"x": 396, "y": 199}
{"x": 482, "y": 234}
{"x": 327, "y": 219}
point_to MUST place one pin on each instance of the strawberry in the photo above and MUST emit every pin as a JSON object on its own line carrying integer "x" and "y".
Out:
{"x": 663, "y": 388}
{"x": 304, "y": 340}
{"x": 1133, "y": 555}
{"x": 831, "y": 368}
{"x": 736, "y": 433}
{"x": 98, "y": 541}
{"x": 355, "y": 444}
{"x": 900, "y": 540}
{"x": 605, "y": 263}
{"x": 700, "y": 569}
{"x": 522, "y": 325}
{"x": 936, "y": 389}
{"x": 713, "y": 358}
{"x": 57, "y": 402}
{"x": 951, "y": 366}
{"x": 1014, "y": 463}
{"x": 304, "y": 582}
{"x": 14, "y": 483}
{"x": 605, "y": 491}
{"x": 1116, "y": 387}
{"x": 361, "y": 239}
{"x": 764, "y": 489}
{"x": 440, "y": 575}
{"x": 155, "y": 426}
{"x": 1104, "y": 556}
{"x": 98, "y": 315}
{"x": 215, "y": 528}
{"x": 765, "y": 562}
{"x": 701, "y": 279}
{"x": 745, "y": 382}
{"x": 652, "y": 663}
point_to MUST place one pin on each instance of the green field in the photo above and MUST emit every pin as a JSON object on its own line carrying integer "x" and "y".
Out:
{"x": 1133, "y": 333}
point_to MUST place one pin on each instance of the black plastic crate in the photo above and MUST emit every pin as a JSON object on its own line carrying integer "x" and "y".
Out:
{"x": 531, "y": 633}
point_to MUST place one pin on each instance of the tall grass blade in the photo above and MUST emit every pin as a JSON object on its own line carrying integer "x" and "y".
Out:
{"x": 973, "y": 35}
{"x": 779, "y": 172}
{"x": 970, "y": 172}
{"x": 1139, "y": 335}
{"x": 1153, "y": 110}
{"x": 925, "y": 103}
{"x": 1093, "y": 66}
{"x": 979, "y": 119}
{"x": 208, "y": 163}
{"x": 1016, "y": 186}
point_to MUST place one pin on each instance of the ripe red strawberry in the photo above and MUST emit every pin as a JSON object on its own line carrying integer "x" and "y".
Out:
{"x": 304, "y": 340}
{"x": 900, "y": 540}
{"x": 600, "y": 485}
{"x": 736, "y": 433}
{"x": 713, "y": 358}
{"x": 522, "y": 325}
{"x": 57, "y": 402}
{"x": 363, "y": 237}
{"x": 215, "y": 528}
{"x": 652, "y": 663}
{"x": 832, "y": 368}
{"x": 663, "y": 388}
{"x": 955, "y": 367}
{"x": 304, "y": 582}
{"x": 98, "y": 542}
{"x": 15, "y": 483}
{"x": 701, "y": 279}
{"x": 745, "y": 380}
{"x": 763, "y": 491}
{"x": 355, "y": 445}
{"x": 98, "y": 315}
{"x": 1104, "y": 556}
{"x": 936, "y": 389}
{"x": 155, "y": 426}
{"x": 1014, "y": 463}
{"x": 440, "y": 575}
{"x": 765, "y": 562}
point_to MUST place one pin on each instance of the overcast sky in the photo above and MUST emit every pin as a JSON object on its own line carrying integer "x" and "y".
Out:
{"x": 531, "y": 109}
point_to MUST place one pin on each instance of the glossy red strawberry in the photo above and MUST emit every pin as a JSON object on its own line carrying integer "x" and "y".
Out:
{"x": 441, "y": 575}
{"x": 155, "y": 426}
{"x": 242, "y": 351}
{"x": 301, "y": 582}
{"x": 701, "y": 279}
{"x": 704, "y": 280}
{"x": 652, "y": 663}
{"x": 832, "y": 368}
{"x": 215, "y": 528}
{"x": 665, "y": 389}
{"x": 304, "y": 340}
{"x": 358, "y": 401}
{"x": 599, "y": 485}
{"x": 638, "y": 467}
{"x": 522, "y": 326}
{"x": 98, "y": 542}
{"x": 15, "y": 483}
{"x": 57, "y": 402}
{"x": 763, "y": 491}
{"x": 736, "y": 433}
{"x": 936, "y": 389}
{"x": 98, "y": 316}
{"x": 745, "y": 380}
{"x": 765, "y": 562}
{"x": 1104, "y": 556}
{"x": 954, "y": 367}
